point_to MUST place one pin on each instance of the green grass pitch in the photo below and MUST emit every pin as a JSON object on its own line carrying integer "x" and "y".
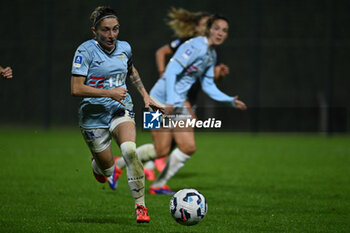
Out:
{"x": 252, "y": 183}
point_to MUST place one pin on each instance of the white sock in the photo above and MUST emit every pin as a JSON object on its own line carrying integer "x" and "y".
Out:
{"x": 175, "y": 162}
{"x": 150, "y": 165}
{"x": 107, "y": 172}
{"x": 145, "y": 153}
{"x": 96, "y": 168}
{"x": 135, "y": 173}
{"x": 121, "y": 163}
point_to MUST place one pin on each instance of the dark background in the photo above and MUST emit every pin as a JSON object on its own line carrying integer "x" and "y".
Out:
{"x": 289, "y": 60}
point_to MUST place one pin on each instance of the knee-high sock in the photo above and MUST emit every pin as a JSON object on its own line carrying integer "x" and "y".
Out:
{"x": 106, "y": 172}
{"x": 135, "y": 173}
{"x": 150, "y": 165}
{"x": 145, "y": 153}
{"x": 175, "y": 162}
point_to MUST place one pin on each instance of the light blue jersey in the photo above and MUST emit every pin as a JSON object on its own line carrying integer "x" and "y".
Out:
{"x": 193, "y": 60}
{"x": 106, "y": 71}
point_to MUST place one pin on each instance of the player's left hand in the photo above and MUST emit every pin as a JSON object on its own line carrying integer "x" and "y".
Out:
{"x": 149, "y": 103}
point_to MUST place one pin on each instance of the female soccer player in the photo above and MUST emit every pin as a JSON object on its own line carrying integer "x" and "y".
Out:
{"x": 195, "y": 59}
{"x": 99, "y": 70}
{"x": 185, "y": 25}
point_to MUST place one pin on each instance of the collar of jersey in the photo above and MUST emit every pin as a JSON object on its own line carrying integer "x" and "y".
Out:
{"x": 109, "y": 53}
{"x": 206, "y": 40}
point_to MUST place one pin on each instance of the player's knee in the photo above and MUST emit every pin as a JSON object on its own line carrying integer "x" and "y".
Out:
{"x": 162, "y": 151}
{"x": 128, "y": 150}
{"x": 188, "y": 149}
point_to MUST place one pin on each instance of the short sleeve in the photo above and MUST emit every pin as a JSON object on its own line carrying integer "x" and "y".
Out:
{"x": 81, "y": 62}
{"x": 186, "y": 54}
{"x": 128, "y": 52}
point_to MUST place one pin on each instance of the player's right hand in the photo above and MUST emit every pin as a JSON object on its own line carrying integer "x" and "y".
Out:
{"x": 118, "y": 94}
{"x": 240, "y": 104}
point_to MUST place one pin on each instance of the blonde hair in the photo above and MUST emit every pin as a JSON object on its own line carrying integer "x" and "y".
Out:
{"x": 184, "y": 22}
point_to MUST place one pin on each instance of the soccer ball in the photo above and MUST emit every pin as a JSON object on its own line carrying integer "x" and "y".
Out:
{"x": 188, "y": 207}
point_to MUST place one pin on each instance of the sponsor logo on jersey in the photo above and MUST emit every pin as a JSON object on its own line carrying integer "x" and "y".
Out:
{"x": 77, "y": 61}
{"x": 191, "y": 69}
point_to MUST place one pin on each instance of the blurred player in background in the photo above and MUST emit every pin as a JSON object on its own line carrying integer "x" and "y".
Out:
{"x": 99, "y": 70}
{"x": 195, "y": 59}
{"x": 6, "y": 73}
{"x": 185, "y": 25}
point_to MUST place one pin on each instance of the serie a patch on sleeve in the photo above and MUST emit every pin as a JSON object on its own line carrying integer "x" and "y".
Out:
{"x": 77, "y": 61}
{"x": 187, "y": 53}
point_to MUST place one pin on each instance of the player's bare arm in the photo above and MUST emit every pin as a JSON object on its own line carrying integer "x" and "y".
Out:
{"x": 78, "y": 88}
{"x": 135, "y": 78}
{"x": 161, "y": 54}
